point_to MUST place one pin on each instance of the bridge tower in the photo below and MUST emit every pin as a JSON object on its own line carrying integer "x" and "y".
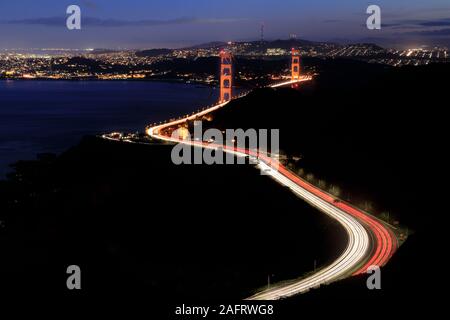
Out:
{"x": 295, "y": 64}
{"x": 226, "y": 76}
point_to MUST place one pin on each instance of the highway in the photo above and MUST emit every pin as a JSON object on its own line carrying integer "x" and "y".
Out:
{"x": 370, "y": 241}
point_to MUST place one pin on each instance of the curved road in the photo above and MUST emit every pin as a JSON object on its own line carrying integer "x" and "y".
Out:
{"x": 370, "y": 241}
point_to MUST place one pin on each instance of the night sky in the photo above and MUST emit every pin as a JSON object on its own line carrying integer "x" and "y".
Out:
{"x": 177, "y": 23}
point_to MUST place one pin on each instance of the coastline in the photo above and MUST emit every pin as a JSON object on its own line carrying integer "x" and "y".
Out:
{"x": 49, "y": 116}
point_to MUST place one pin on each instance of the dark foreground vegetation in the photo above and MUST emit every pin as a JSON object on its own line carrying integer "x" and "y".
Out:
{"x": 138, "y": 225}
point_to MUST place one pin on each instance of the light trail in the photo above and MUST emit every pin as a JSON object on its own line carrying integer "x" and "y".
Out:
{"x": 357, "y": 247}
{"x": 150, "y": 131}
{"x": 359, "y": 254}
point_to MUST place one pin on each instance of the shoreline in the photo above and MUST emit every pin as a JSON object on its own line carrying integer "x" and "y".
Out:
{"x": 26, "y": 145}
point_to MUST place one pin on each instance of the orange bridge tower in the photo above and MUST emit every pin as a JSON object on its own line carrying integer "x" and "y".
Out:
{"x": 226, "y": 76}
{"x": 295, "y": 64}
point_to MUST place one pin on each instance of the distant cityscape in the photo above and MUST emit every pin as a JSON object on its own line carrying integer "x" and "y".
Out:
{"x": 147, "y": 64}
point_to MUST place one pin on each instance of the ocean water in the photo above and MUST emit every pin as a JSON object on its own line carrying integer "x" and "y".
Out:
{"x": 51, "y": 116}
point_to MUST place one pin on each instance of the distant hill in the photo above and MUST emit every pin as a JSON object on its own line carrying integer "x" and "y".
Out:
{"x": 370, "y": 46}
{"x": 213, "y": 44}
{"x": 154, "y": 52}
{"x": 290, "y": 43}
{"x": 262, "y": 46}
{"x": 279, "y": 43}
{"x": 103, "y": 51}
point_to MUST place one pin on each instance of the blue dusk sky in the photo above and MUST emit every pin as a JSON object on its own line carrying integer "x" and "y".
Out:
{"x": 177, "y": 23}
